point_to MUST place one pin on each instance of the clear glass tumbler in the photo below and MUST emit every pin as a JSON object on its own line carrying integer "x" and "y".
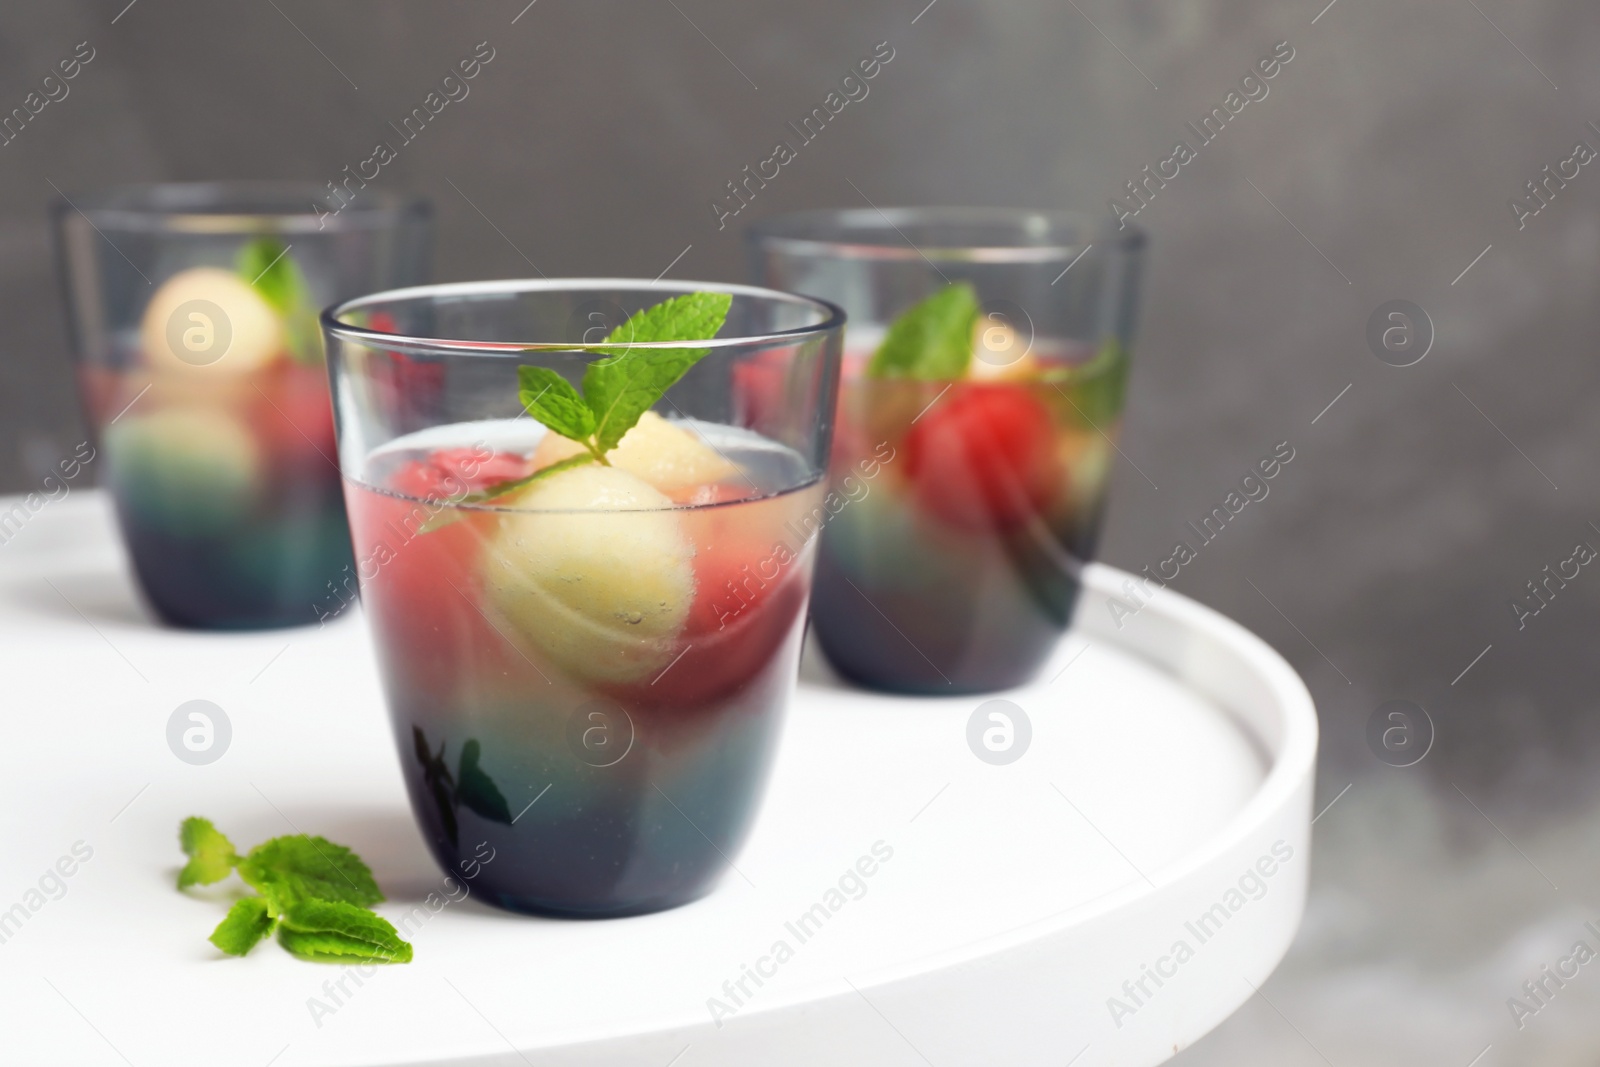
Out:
{"x": 982, "y": 392}
{"x": 194, "y": 314}
{"x": 586, "y": 673}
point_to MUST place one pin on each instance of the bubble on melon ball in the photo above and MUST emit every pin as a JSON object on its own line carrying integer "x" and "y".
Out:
{"x": 186, "y": 472}
{"x": 664, "y": 454}
{"x": 593, "y": 570}
{"x": 211, "y": 319}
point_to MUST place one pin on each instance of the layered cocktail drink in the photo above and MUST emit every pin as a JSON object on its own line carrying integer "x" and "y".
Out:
{"x": 587, "y": 578}
{"x": 982, "y": 394}
{"x": 202, "y": 374}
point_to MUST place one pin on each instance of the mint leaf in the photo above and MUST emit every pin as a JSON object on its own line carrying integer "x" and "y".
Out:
{"x": 1096, "y": 386}
{"x": 617, "y": 390}
{"x": 477, "y": 790}
{"x": 931, "y": 339}
{"x": 690, "y": 317}
{"x": 552, "y": 400}
{"x": 211, "y": 855}
{"x": 328, "y": 931}
{"x": 266, "y": 264}
{"x": 289, "y": 870}
{"x": 247, "y": 923}
{"x": 625, "y": 386}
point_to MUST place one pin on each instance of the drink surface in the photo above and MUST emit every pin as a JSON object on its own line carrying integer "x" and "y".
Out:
{"x": 972, "y": 505}
{"x": 586, "y": 678}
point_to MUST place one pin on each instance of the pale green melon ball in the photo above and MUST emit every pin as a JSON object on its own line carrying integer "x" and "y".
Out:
{"x": 207, "y": 319}
{"x": 186, "y": 472}
{"x": 595, "y": 571}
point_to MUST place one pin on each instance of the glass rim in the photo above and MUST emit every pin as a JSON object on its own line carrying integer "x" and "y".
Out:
{"x": 239, "y": 207}
{"x": 798, "y": 232}
{"x": 833, "y": 315}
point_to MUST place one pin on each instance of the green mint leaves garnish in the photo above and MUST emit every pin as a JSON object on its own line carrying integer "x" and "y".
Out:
{"x": 552, "y": 400}
{"x": 316, "y": 894}
{"x": 620, "y": 388}
{"x": 266, "y": 264}
{"x": 931, "y": 339}
{"x": 617, "y": 389}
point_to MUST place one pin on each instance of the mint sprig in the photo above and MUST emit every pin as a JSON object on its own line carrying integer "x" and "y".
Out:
{"x": 617, "y": 389}
{"x": 314, "y": 893}
{"x": 266, "y": 264}
{"x": 620, "y": 388}
{"x": 931, "y": 339}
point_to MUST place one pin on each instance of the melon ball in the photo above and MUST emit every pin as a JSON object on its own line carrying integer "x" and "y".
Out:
{"x": 664, "y": 454}
{"x": 1000, "y": 354}
{"x": 185, "y": 471}
{"x": 595, "y": 571}
{"x": 209, "y": 318}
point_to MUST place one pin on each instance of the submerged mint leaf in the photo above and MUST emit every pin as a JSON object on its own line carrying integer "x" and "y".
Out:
{"x": 552, "y": 400}
{"x": 330, "y": 931}
{"x": 266, "y": 264}
{"x": 453, "y": 513}
{"x": 287, "y": 870}
{"x": 1095, "y": 388}
{"x": 246, "y": 924}
{"x": 211, "y": 855}
{"x": 477, "y": 790}
{"x": 931, "y": 339}
{"x": 436, "y": 773}
{"x": 624, "y": 386}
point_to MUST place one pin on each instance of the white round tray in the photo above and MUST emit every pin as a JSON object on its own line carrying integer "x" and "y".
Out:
{"x": 1030, "y": 913}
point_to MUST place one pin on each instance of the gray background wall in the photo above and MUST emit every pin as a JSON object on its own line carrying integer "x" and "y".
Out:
{"x": 1415, "y": 509}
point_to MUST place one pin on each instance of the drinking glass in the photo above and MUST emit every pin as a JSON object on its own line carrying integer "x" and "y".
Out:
{"x": 965, "y": 502}
{"x": 194, "y": 314}
{"x": 585, "y": 675}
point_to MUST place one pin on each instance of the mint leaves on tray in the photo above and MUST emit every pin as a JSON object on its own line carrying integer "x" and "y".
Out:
{"x": 317, "y": 895}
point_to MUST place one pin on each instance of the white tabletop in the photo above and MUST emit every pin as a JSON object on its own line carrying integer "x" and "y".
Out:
{"x": 1168, "y": 760}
